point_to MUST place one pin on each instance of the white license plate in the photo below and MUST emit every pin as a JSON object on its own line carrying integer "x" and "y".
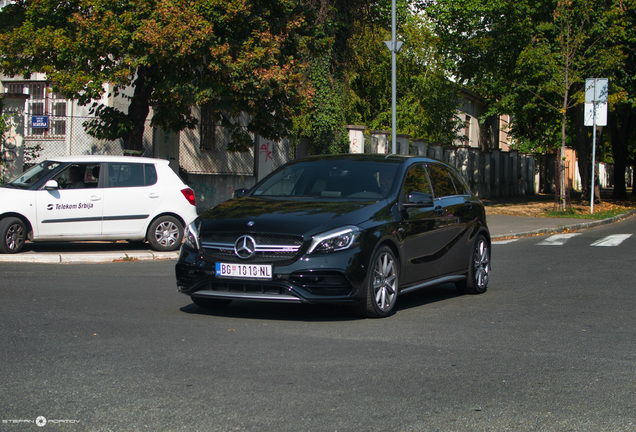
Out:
{"x": 246, "y": 271}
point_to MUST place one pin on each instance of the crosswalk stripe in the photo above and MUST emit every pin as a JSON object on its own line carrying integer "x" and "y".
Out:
{"x": 561, "y": 239}
{"x": 611, "y": 240}
{"x": 557, "y": 239}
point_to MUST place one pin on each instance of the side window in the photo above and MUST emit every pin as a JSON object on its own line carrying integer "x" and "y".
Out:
{"x": 126, "y": 175}
{"x": 417, "y": 181}
{"x": 151, "y": 174}
{"x": 78, "y": 176}
{"x": 460, "y": 184}
{"x": 441, "y": 180}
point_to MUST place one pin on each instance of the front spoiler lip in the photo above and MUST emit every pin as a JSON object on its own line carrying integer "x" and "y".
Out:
{"x": 280, "y": 298}
{"x": 290, "y": 293}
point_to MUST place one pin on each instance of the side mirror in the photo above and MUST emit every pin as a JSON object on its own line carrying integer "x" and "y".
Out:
{"x": 419, "y": 199}
{"x": 51, "y": 185}
{"x": 240, "y": 192}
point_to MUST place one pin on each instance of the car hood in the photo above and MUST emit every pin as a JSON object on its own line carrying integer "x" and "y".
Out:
{"x": 293, "y": 217}
{"x": 12, "y": 199}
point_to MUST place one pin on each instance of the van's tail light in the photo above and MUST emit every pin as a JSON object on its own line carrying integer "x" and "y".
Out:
{"x": 189, "y": 195}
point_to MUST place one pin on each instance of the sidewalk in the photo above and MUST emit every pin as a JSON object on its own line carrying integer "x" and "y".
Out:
{"x": 86, "y": 252}
{"x": 520, "y": 226}
{"x": 102, "y": 252}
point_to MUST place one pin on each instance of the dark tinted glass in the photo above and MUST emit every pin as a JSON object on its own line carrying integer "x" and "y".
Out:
{"x": 417, "y": 181}
{"x": 151, "y": 174}
{"x": 460, "y": 184}
{"x": 331, "y": 179}
{"x": 441, "y": 180}
{"x": 125, "y": 175}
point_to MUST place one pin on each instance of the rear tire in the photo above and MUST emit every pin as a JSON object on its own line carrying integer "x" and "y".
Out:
{"x": 382, "y": 285}
{"x": 13, "y": 234}
{"x": 165, "y": 234}
{"x": 210, "y": 303}
{"x": 476, "y": 281}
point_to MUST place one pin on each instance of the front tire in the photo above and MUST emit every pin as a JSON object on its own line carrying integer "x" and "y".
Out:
{"x": 13, "y": 234}
{"x": 478, "y": 268}
{"x": 382, "y": 285}
{"x": 165, "y": 234}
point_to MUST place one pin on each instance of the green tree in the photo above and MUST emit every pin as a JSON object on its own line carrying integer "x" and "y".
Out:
{"x": 427, "y": 98}
{"x": 530, "y": 59}
{"x": 237, "y": 57}
{"x": 623, "y": 115}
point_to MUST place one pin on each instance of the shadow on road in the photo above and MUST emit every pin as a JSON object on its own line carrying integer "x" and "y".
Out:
{"x": 85, "y": 246}
{"x": 319, "y": 312}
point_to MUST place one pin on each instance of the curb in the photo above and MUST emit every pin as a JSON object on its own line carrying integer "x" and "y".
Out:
{"x": 565, "y": 228}
{"x": 87, "y": 257}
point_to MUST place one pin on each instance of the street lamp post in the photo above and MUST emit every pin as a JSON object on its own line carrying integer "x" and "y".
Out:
{"x": 394, "y": 46}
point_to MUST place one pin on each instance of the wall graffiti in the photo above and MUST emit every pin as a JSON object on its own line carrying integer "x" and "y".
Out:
{"x": 9, "y": 157}
{"x": 9, "y": 150}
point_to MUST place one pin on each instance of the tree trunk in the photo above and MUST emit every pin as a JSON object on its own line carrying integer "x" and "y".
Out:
{"x": 138, "y": 112}
{"x": 583, "y": 148}
{"x": 620, "y": 135}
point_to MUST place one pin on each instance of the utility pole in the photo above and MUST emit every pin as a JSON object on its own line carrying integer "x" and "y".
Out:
{"x": 394, "y": 46}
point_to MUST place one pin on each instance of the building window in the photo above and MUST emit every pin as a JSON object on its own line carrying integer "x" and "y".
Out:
{"x": 208, "y": 128}
{"x": 42, "y": 102}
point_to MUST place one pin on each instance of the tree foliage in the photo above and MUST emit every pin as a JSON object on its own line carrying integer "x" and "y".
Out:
{"x": 236, "y": 56}
{"x": 530, "y": 60}
{"x": 427, "y": 98}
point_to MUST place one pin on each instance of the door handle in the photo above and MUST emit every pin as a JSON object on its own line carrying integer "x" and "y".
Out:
{"x": 439, "y": 210}
{"x": 96, "y": 198}
{"x": 153, "y": 195}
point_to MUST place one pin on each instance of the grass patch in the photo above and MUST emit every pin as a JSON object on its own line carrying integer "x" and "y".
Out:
{"x": 578, "y": 214}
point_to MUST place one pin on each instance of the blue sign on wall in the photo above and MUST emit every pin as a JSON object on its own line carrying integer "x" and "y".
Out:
{"x": 39, "y": 122}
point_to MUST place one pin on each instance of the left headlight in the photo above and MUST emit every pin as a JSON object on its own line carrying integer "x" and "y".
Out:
{"x": 191, "y": 236}
{"x": 335, "y": 240}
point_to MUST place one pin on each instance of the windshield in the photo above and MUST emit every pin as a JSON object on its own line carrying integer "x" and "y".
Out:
{"x": 337, "y": 179}
{"x": 34, "y": 175}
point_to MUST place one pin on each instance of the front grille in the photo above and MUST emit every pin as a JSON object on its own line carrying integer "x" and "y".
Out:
{"x": 250, "y": 287}
{"x": 269, "y": 248}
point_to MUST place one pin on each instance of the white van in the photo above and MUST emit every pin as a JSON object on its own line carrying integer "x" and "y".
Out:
{"x": 96, "y": 198}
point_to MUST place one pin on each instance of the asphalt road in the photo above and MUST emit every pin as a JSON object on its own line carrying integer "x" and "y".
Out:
{"x": 549, "y": 347}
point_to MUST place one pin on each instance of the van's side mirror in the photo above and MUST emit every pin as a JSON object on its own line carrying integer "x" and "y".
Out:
{"x": 51, "y": 185}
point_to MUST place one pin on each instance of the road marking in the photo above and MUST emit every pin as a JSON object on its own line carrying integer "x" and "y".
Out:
{"x": 557, "y": 239}
{"x": 505, "y": 241}
{"x": 612, "y": 240}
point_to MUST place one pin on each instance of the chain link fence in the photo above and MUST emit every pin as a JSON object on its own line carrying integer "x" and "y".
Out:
{"x": 202, "y": 150}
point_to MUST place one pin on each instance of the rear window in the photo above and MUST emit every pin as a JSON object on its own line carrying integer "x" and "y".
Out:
{"x": 131, "y": 175}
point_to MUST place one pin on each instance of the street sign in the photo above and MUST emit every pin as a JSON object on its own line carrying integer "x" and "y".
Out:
{"x": 39, "y": 122}
{"x": 596, "y": 90}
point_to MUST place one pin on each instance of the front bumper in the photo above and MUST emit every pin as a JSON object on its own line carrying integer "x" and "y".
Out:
{"x": 325, "y": 278}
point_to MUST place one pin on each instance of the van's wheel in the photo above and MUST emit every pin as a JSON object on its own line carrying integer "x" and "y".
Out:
{"x": 478, "y": 274}
{"x": 13, "y": 232}
{"x": 165, "y": 234}
{"x": 382, "y": 285}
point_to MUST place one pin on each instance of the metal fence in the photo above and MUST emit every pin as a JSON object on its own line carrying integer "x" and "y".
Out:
{"x": 195, "y": 154}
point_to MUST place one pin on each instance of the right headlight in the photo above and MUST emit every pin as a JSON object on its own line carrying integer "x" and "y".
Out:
{"x": 191, "y": 235}
{"x": 335, "y": 240}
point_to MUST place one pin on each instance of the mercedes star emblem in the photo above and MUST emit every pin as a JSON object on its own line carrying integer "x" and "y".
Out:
{"x": 245, "y": 247}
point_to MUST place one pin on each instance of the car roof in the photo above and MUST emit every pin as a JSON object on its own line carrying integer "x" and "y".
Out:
{"x": 107, "y": 158}
{"x": 378, "y": 157}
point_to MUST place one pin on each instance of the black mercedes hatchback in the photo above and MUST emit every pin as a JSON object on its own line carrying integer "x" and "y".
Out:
{"x": 356, "y": 229}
